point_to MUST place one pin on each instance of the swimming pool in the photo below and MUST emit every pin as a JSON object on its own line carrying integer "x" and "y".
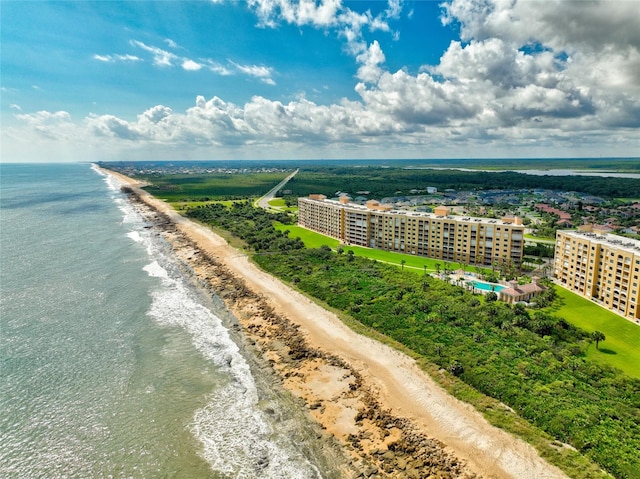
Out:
{"x": 487, "y": 286}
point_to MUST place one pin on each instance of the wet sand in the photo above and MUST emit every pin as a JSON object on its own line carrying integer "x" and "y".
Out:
{"x": 390, "y": 417}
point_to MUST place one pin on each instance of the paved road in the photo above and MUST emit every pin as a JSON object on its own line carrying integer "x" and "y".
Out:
{"x": 264, "y": 201}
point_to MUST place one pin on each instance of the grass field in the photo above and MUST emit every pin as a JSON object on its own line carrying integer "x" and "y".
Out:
{"x": 312, "y": 239}
{"x": 277, "y": 203}
{"x": 539, "y": 239}
{"x": 621, "y": 347}
{"x": 211, "y": 186}
{"x": 309, "y": 238}
{"x": 280, "y": 205}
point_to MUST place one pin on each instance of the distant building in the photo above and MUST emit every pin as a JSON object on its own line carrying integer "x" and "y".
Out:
{"x": 438, "y": 235}
{"x": 563, "y": 215}
{"x": 599, "y": 265}
{"x": 565, "y": 223}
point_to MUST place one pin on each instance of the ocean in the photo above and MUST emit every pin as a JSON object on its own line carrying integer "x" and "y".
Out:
{"x": 113, "y": 363}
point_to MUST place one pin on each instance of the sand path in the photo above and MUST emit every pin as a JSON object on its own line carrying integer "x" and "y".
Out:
{"x": 399, "y": 383}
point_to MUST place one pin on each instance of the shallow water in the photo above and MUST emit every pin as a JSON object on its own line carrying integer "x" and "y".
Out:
{"x": 113, "y": 363}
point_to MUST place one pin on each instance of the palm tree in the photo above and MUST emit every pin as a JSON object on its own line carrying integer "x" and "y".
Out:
{"x": 350, "y": 254}
{"x": 463, "y": 266}
{"x": 402, "y": 262}
{"x": 597, "y": 336}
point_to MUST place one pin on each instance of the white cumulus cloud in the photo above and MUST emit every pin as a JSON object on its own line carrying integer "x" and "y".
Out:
{"x": 258, "y": 71}
{"x": 370, "y": 60}
{"x": 160, "y": 57}
{"x": 116, "y": 58}
{"x": 190, "y": 65}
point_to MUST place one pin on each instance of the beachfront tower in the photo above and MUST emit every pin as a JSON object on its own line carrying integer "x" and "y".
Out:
{"x": 438, "y": 235}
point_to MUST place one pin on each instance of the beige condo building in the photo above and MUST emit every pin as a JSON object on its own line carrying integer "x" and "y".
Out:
{"x": 438, "y": 235}
{"x": 600, "y": 266}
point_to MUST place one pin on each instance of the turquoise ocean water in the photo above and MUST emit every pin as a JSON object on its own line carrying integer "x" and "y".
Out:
{"x": 112, "y": 364}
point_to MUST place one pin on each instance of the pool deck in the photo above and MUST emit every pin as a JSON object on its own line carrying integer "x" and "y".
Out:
{"x": 466, "y": 279}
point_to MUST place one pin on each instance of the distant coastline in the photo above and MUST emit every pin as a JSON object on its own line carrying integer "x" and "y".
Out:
{"x": 542, "y": 172}
{"x": 597, "y": 165}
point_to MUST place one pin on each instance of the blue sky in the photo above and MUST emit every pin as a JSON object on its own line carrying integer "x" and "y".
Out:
{"x": 86, "y": 81}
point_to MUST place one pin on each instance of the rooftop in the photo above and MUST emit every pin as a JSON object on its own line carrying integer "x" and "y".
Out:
{"x": 620, "y": 242}
{"x": 417, "y": 214}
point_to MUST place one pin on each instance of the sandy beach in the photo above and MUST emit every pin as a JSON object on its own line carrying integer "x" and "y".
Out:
{"x": 391, "y": 418}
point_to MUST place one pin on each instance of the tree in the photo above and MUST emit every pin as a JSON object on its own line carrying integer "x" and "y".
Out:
{"x": 491, "y": 296}
{"x": 598, "y": 336}
{"x": 456, "y": 368}
{"x": 402, "y": 262}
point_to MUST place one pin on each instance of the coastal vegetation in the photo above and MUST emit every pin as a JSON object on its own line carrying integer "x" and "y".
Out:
{"x": 205, "y": 187}
{"x": 534, "y": 362}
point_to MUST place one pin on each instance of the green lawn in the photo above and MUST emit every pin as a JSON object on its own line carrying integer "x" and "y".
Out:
{"x": 312, "y": 239}
{"x": 277, "y": 202}
{"x": 280, "y": 205}
{"x": 539, "y": 239}
{"x": 411, "y": 261}
{"x": 621, "y": 348}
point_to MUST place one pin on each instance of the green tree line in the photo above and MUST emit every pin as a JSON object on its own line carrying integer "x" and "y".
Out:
{"x": 385, "y": 182}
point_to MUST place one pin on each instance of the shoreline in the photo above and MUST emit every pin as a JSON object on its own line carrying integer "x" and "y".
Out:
{"x": 390, "y": 417}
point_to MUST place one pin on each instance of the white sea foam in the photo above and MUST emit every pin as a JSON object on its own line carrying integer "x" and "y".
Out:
{"x": 238, "y": 437}
{"x": 130, "y": 216}
{"x": 112, "y": 182}
{"x": 154, "y": 270}
{"x": 135, "y": 236}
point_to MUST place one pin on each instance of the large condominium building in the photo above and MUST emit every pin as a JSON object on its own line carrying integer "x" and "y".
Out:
{"x": 601, "y": 266}
{"x": 439, "y": 235}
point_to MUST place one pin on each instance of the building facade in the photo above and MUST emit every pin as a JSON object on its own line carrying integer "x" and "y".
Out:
{"x": 600, "y": 266}
{"x": 516, "y": 293}
{"x": 440, "y": 235}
